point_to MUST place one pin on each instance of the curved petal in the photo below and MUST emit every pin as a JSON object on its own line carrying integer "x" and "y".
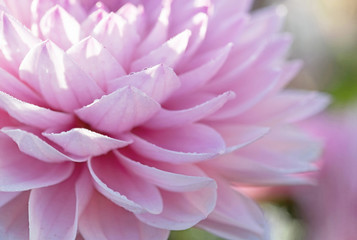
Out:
{"x": 14, "y": 87}
{"x": 235, "y": 216}
{"x": 32, "y": 115}
{"x": 158, "y": 33}
{"x": 51, "y": 72}
{"x": 170, "y": 177}
{"x": 197, "y": 77}
{"x": 182, "y": 210}
{"x": 85, "y": 143}
{"x": 34, "y": 146}
{"x": 106, "y": 221}
{"x": 238, "y": 136}
{"x": 88, "y": 54}
{"x": 118, "y": 36}
{"x": 91, "y": 21}
{"x": 15, "y": 40}
{"x": 257, "y": 84}
{"x": 287, "y": 106}
{"x": 19, "y": 172}
{"x": 122, "y": 187}
{"x": 119, "y": 111}
{"x": 54, "y": 210}
{"x": 158, "y": 82}
{"x": 60, "y": 27}
{"x": 191, "y": 143}
{"x": 168, "y": 53}
{"x": 14, "y": 222}
{"x": 176, "y": 118}
{"x": 6, "y": 197}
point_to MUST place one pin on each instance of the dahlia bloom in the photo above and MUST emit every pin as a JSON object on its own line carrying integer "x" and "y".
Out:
{"x": 128, "y": 119}
{"x": 330, "y": 206}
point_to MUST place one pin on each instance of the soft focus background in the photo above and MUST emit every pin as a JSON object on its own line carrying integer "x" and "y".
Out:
{"x": 325, "y": 33}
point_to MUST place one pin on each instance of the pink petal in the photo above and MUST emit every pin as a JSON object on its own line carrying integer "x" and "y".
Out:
{"x": 122, "y": 187}
{"x": 119, "y": 111}
{"x": 170, "y": 177}
{"x": 6, "y": 197}
{"x": 284, "y": 148}
{"x": 243, "y": 170}
{"x": 14, "y": 87}
{"x": 36, "y": 147}
{"x": 257, "y": 85}
{"x": 60, "y": 27}
{"x": 32, "y": 115}
{"x": 182, "y": 210}
{"x": 49, "y": 70}
{"x": 15, "y": 40}
{"x": 116, "y": 34}
{"x": 157, "y": 35}
{"x": 54, "y": 210}
{"x": 168, "y": 53}
{"x": 19, "y": 172}
{"x": 83, "y": 142}
{"x": 104, "y": 220}
{"x": 198, "y": 26}
{"x": 238, "y": 136}
{"x": 229, "y": 28}
{"x": 287, "y": 106}
{"x": 91, "y": 21}
{"x": 88, "y": 54}
{"x": 235, "y": 216}
{"x": 14, "y": 218}
{"x": 175, "y": 118}
{"x": 191, "y": 143}
{"x": 20, "y": 10}
{"x": 159, "y": 82}
{"x": 135, "y": 15}
{"x": 197, "y": 77}
{"x": 275, "y": 49}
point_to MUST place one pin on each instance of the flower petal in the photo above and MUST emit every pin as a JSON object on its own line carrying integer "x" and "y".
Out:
{"x": 60, "y": 27}
{"x": 191, "y": 143}
{"x": 235, "y": 216}
{"x": 6, "y": 197}
{"x": 287, "y": 106}
{"x": 104, "y": 220}
{"x": 159, "y": 82}
{"x": 83, "y": 142}
{"x": 32, "y": 145}
{"x": 168, "y": 53}
{"x": 49, "y": 70}
{"x": 88, "y": 54}
{"x": 32, "y": 115}
{"x": 171, "y": 177}
{"x": 54, "y": 210}
{"x": 122, "y": 187}
{"x": 14, "y": 222}
{"x": 182, "y": 210}
{"x": 119, "y": 111}
{"x": 197, "y": 77}
{"x": 116, "y": 34}
{"x": 14, "y": 87}
{"x": 15, "y": 40}
{"x": 176, "y": 118}
{"x": 19, "y": 172}
{"x": 238, "y": 136}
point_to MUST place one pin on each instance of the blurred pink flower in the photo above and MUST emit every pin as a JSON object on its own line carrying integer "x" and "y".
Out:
{"x": 119, "y": 120}
{"x": 330, "y": 206}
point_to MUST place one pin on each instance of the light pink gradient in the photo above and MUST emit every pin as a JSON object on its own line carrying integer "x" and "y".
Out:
{"x": 125, "y": 120}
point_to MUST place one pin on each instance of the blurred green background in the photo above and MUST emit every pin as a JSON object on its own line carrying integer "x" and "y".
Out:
{"x": 325, "y": 38}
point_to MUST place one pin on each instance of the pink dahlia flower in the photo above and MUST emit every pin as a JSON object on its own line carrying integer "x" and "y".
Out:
{"x": 330, "y": 206}
{"x": 125, "y": 120}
